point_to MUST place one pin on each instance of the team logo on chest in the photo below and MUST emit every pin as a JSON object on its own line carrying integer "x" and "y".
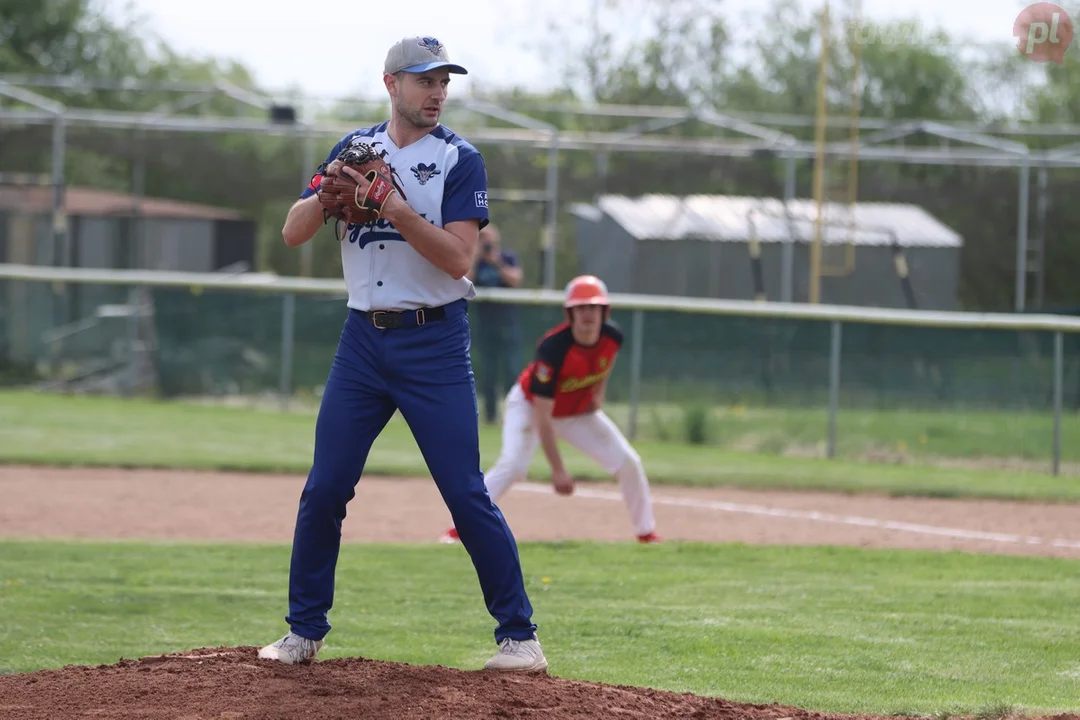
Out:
{"x": 423, "y": 172}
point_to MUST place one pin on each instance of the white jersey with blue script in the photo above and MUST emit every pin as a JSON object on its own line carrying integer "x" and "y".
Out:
{"x": 444, "y": 180}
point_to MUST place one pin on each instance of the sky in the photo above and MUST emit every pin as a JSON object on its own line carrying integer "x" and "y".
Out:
{"x": 334, "y": 50}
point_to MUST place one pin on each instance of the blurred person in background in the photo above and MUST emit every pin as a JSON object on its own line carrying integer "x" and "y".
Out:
{"x": 498, "y": 327}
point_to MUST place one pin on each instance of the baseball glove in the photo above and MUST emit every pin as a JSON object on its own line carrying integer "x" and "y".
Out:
{"x": 341, "y": 196}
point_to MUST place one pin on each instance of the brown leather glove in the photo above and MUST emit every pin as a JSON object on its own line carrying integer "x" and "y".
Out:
{"x": 343, "y": 198}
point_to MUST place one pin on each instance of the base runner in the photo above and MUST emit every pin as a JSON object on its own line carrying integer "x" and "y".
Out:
{"x": 559, "y": 395}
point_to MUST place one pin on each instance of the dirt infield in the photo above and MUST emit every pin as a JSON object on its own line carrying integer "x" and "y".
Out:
{"x": 233, "y": 683}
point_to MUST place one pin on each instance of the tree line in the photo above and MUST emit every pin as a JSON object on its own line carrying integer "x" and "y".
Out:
{"x": 691, "y": 56}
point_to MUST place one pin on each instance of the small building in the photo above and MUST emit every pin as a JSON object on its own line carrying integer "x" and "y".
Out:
{"x": 107, "y": 229}
{"x": 732, "y": 247}
{"x": 93, "y": 325}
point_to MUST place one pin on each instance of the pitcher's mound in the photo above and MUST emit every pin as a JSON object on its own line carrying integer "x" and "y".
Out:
{"x": 233, "y": 683}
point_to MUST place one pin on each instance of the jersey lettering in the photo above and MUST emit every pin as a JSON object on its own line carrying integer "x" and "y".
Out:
{"x": 379, "y": 231}
{"x": 572, "y": 384}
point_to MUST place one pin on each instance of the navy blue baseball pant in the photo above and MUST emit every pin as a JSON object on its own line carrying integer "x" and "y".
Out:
{"x": 424, "y": 371}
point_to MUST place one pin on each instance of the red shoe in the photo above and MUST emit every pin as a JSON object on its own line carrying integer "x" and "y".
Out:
{"x": 450, "y": 536}
{"x": 649, "y": 538}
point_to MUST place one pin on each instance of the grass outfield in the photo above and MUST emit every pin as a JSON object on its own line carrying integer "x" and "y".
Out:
{"x": 55, "y": 429}
{"x": 829, "y": 629}
{"x": 916, "y": 434}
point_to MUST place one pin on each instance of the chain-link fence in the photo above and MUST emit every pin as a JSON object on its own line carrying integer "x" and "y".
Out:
{"x": 179, "y": 189}
{"x": 750, "y": 378}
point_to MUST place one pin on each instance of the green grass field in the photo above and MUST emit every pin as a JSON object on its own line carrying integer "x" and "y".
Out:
{"x": 915, "y": 434}
{"x": 53, "y": 429}
{"x": 918, "y": 435}
{"x": 830, "y": 629}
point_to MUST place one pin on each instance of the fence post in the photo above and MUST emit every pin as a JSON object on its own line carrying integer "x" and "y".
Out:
{"x": 307, "y": 145}
{"x": 1059, "y": 391}
{"x": 288, "y": 323}
{"x": 834, "y": 385}
{"x": 1022, "y": 236}
{"x": 787, "y": 248}
{"x": 636, "y": 344}
{"x": 58, "y": 236}
{"x": 552, "y": 209}
{"x": 129, "y": 376}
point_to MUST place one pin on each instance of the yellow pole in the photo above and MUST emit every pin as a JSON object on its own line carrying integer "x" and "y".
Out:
{"x": 853, "y": 162}
{"x": 819, "y": 163}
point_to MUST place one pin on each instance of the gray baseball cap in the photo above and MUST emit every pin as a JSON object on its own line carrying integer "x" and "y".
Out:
{"x": 419, "y": 54}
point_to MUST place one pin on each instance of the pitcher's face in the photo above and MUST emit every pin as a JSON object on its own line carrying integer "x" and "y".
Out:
{"x": 419, "y": 97}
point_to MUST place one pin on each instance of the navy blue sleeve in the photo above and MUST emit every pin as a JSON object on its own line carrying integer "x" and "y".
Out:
{"x": 509, "y": 258}
{"x": 316, "y": 180}
{"x": 612, "y": 330}
{"x": 465, "y": 192}
{"x": 547, "y": 365}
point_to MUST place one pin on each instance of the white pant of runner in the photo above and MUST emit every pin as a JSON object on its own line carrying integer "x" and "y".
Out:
{"x": 593, "y": 434}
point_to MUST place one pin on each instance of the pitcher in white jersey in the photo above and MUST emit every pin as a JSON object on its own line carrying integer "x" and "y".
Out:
{"x": 405, "y": 346}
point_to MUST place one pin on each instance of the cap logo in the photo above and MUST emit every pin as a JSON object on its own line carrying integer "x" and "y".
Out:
{"x": 431, "y": 44}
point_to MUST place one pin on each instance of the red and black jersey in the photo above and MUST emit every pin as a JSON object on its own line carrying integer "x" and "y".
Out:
{"x": 567, "y": 371}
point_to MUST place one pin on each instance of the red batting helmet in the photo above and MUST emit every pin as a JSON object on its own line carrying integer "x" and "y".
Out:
{"x": 586, "y": 290}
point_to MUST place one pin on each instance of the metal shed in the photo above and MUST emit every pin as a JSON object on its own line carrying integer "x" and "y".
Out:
{"x": 734, "y": 247}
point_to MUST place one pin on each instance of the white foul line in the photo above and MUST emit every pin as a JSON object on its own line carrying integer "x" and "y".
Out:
{"x": 816, "y": 516}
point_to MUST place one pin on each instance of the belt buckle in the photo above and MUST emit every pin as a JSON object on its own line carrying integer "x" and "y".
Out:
{"x": 421, "y": 318}
{"x": 375, "y": 319}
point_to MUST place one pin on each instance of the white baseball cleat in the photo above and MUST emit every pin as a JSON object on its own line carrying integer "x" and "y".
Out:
{"x": 518, "y": 656}
{"x": 292, "y": 649}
